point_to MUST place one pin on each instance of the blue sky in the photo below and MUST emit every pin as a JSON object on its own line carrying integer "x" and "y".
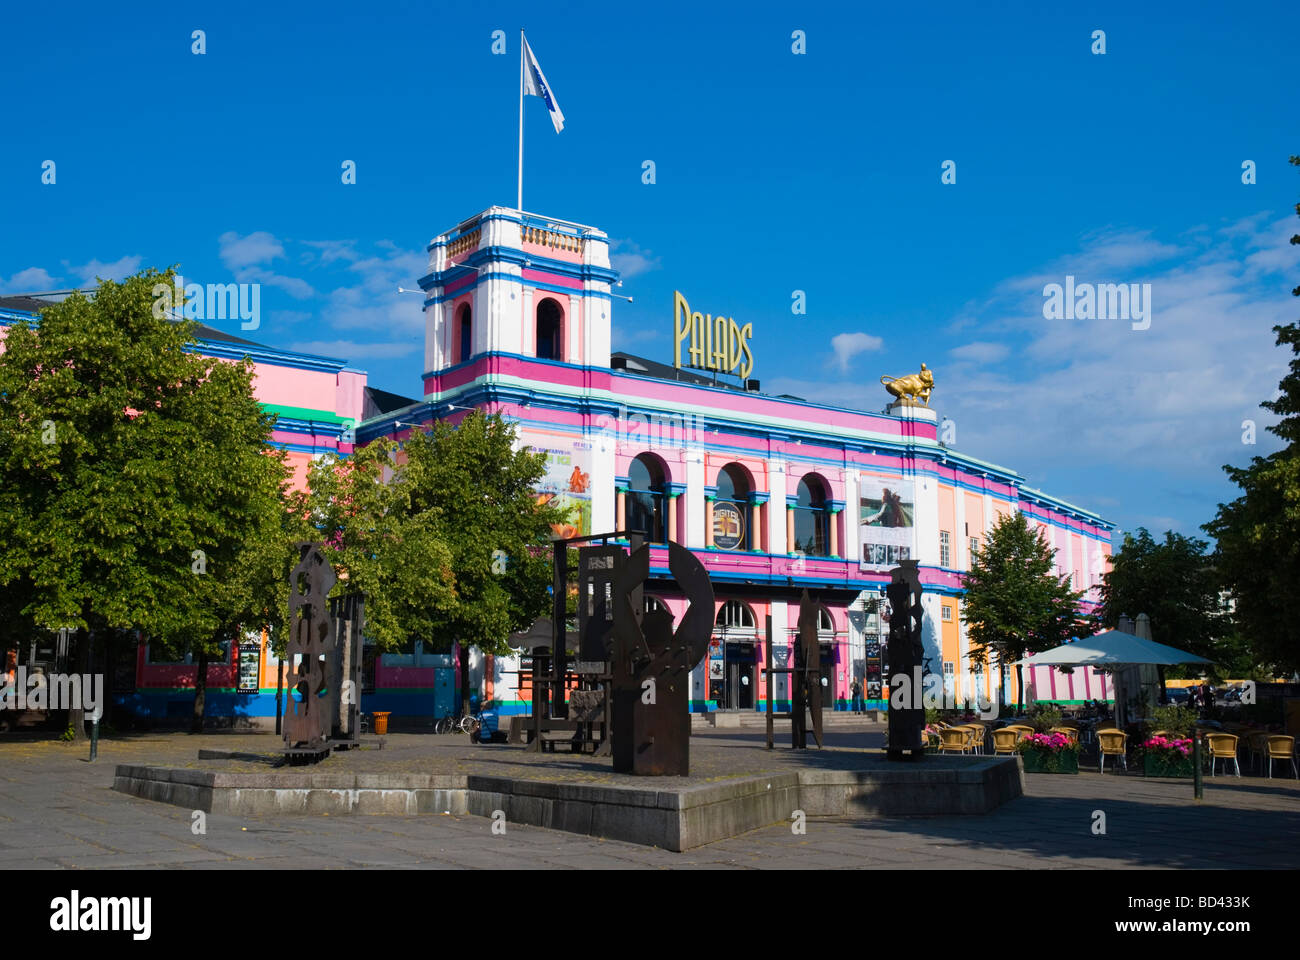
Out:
{"x": 775, "y": 172}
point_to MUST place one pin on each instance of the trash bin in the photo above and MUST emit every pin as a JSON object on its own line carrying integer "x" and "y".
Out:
{"x": 381, "y": 721}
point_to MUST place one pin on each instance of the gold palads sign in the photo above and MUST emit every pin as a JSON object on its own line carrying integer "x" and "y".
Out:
{"x": 716, "y": 343}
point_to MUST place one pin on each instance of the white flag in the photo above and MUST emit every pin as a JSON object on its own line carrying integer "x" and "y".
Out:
{"x": 535, "y": 85}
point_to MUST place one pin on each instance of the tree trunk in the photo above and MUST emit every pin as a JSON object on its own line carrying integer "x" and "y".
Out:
{"x": 110, "y": 668}
{"x": 279, "y": 693}
{"x": 200, "y": 692}
{"x": 77, "y": 714}
{"x": 1020, "y": 689}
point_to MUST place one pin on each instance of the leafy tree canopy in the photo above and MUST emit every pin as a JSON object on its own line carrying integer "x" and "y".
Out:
{"x": 1258, "y": 534}
{"x": 1014, "y": 603}
{"x": 1174, "y": 583}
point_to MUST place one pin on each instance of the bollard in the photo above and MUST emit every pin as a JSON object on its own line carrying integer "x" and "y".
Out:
{"x": 94, "y": 738}
{"x": 1198, "y": 785}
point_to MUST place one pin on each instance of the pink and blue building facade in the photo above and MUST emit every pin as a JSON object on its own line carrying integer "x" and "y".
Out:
{"x": 774, "y": 494}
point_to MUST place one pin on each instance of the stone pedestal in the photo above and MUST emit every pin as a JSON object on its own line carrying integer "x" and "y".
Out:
{"x": 912, "y": 411}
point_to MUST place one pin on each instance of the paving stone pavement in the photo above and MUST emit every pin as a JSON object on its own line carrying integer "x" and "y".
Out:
{"x": 58, "y": 811}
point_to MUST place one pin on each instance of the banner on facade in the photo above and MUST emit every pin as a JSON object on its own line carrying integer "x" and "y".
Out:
{"x": 887, "y": 513}
{"x": 567, "y": 481}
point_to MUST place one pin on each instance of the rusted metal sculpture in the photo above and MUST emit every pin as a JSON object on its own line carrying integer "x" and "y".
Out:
{"x": 311, "y": 641}
{"x": 651, "y": 665}
{"x": 807, "y": 676}
{"x": 347, "y": 614}
{"x": 323, "y": 660}
{"x": 906, "y": 654}
{"x": 805, "y": 679}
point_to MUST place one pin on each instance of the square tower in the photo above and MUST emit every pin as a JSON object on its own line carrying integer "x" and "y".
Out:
{"x": 507, "y": 282}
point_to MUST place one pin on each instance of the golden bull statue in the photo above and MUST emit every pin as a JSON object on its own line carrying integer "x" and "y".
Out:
{"x": 911, "y": 388}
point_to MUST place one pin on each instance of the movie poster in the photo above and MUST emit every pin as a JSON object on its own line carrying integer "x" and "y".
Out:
{"x": 887, "y": 513}
{"x": 567, "y": 481}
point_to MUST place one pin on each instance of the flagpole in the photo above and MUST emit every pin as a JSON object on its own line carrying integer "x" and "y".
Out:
{"x": 520, "y": 196}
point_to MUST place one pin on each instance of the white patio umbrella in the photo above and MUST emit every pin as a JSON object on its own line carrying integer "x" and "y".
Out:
{"x": 1112, "y": 650}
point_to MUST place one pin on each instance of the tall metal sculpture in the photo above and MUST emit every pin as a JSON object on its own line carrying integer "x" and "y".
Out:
{"x": 906, "y": 654}
{"x": 805, "y": 679}
{"x": 651, "y": 665}
{"x": 807, "y": 676}
{"x": 311, "y": 641}
{"x": 323, "y": 659}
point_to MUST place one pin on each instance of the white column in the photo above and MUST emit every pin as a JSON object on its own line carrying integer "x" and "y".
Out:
{"x": 927, "y": 520}
{"x": 527, "y": 324}
{"x": 573, "y": 348}
{"x": 852, "y": 547}
{"x": 599, "y": 317}
{"x": 780, "y": 634}
{"x": 694, "y": 507}
{"x": 603, "y": 502}
{"x": 596, "y": 321}
{"x": 776, "y": 540}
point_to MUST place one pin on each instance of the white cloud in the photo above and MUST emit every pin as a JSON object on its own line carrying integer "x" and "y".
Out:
{"x": 332, "y": 250}
{"x": 630, "y": 260}
{"x": 31, "y": 280}
{"x": 849, "y": 345}
{"x": 257, "y": 248}
{"x": 1139, "y": 418}
{"x": 247, "y": 258}
{"x": 97, "y": 269}
{"x": 374, "y": 303}
{"x": 980, "y": 352}
{"x": 1169, "y": 398}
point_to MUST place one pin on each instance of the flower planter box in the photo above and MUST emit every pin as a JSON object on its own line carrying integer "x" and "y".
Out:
{"x": 1051, "y": 761}
{"x": 1165, "y": 765}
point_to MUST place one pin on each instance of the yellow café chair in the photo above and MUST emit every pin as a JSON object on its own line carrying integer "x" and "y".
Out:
{"x": 1223, "y": 746}
{"x": 1004, "y": 741}
{"x": 1282, "y": 748}
{"x": 1112, "y": 743}
{"x": 954, "y": 738}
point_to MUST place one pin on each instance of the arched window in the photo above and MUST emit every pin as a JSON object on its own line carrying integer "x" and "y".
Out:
{"x": 731, "y": 509}
{"x": 647, "y": 499}
{"x": 812, "y": 519}
{"x": 465, "y": 328}
{"x": 550, "y": 330}
{"x": 825, "y": 624}
{"x": 735, "y": 617}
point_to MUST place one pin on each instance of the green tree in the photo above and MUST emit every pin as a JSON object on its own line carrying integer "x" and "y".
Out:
{"x": 1174, "y": 583}
{"x": 478, "y": 491}
{"x": 360, "y": 507}
{"x": 133, "y": 471}
{"x": 1258, "y": 534}
{"x": 1014, "y": 604}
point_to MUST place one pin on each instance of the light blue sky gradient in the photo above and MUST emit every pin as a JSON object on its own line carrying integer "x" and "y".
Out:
{"x": 775, "y": 173}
